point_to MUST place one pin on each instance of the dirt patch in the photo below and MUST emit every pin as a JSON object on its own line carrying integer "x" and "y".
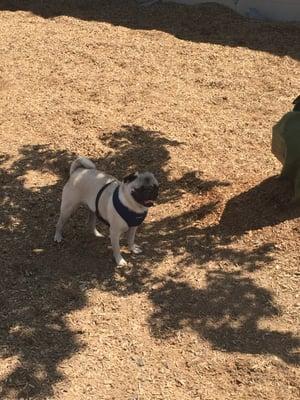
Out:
{"x": 210, "y": 310}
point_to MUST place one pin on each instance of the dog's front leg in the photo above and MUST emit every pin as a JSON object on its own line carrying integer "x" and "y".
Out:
{"x": 92, "y": 224}
{"x": 115, "y": 243}
{"x": 130, "y": 239}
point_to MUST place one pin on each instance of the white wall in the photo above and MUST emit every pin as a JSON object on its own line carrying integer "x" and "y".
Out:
{"x": 278, "y": 10}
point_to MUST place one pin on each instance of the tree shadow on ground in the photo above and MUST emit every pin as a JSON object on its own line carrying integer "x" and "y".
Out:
{"x": 137, "y": 149}
{"x": 35, "y": 297}
{"x": 42, "y": 283}
{"x": 226, "y": 313}
{"x": 207, "y": 23}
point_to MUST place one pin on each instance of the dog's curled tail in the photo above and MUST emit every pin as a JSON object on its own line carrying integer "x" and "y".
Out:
{"x": 81, "y": 162}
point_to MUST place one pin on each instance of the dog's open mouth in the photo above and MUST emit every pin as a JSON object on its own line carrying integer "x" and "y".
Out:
{"x": 148, "y": 203}
{"x": 145, "y": 198}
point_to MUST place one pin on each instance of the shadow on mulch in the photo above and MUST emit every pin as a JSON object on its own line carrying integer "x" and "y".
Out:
{"x": 226, "y": 313}
{"x": 41, "y": 283}
{"x": 207, "y": 23}
{"x": 267, "y": 204}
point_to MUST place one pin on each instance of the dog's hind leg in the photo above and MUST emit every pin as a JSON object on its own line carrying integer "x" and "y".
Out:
{"x": 66, "y": 211}
{"x": 92, "y": 224}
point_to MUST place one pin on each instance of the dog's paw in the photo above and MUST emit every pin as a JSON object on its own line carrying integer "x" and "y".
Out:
{"x": 58, "y": 237}
{"x": 136, "y": 249}
{"x": 121, "y": 262}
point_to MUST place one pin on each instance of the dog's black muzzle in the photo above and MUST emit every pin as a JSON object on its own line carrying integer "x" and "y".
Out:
{"x": 145, "y": 195}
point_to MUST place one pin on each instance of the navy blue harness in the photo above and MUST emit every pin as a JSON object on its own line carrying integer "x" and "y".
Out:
{"x": 99, "y": 194}
{"x": 130, "y": 217}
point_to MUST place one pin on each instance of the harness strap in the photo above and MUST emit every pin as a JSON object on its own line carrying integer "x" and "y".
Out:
{"x": 99, "y": 194}
{"x": 130, "y": 217}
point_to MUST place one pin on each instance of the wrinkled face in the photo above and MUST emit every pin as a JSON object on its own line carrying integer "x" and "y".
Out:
{"x": 143, "y": 188}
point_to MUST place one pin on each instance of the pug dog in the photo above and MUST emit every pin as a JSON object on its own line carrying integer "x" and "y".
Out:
{"x": 121, "y": 205}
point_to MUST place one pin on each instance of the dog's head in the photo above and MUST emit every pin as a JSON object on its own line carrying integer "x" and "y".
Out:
{"x": 143, "y": 187}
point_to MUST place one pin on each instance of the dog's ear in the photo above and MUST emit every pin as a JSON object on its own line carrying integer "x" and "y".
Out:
{"x": 130, "y": 178}
{"x": 297, "y": 104}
